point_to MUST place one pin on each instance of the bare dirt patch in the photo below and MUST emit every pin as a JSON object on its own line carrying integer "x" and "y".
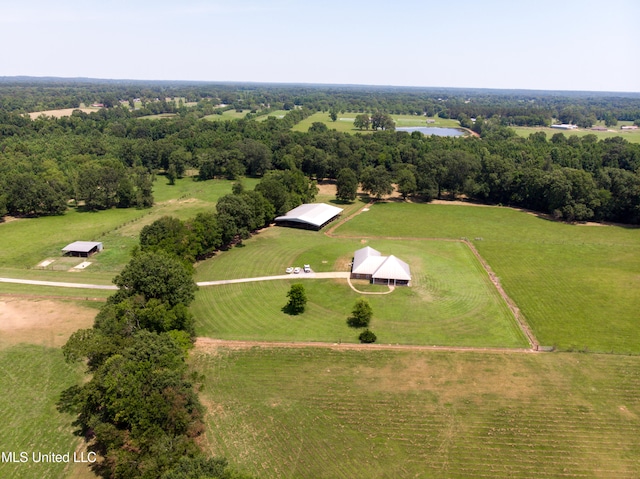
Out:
{"x": 326, "y": 188}
{"x": 44, "y": 322}
{"x": 450, "y": 380}
{"x": 60, "y": 113}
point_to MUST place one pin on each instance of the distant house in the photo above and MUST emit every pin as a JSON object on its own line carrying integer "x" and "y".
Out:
{"x": 312, "y": 216}
{"x": 369, "y": 263}
{"x": 82, "y": 248}
{"x": 629, "y": 127}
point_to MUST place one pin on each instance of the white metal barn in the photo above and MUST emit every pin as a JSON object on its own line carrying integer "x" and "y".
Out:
{"x": 309, "y": 216}
{"x": 369, "y": 263}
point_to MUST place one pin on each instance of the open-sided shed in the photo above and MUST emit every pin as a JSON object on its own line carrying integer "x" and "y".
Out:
{"x": 82, "y": 248}
{"x": 309, "y": 216}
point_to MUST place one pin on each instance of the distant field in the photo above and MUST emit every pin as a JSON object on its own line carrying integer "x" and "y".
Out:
{"x": 576, "y": 285}
{"x": 228, "y": 115}
{"x": 451, "y": 300}
{"x": 311, "y": 413}
{"x": 60, "y": 113}
{"x": 632, "y": 136}
{"x": 277, "y": 113}
{"x": 344, "y": 123}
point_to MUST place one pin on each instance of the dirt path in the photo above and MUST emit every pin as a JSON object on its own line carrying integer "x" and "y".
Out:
{"x": 58, "y": 284}
{"x": 209, "y": 345}
{"x": 391, "y": 288}
{"x": 512, "y": 305}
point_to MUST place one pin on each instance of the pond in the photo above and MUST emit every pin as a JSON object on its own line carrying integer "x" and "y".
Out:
{"x": 432, "y": 130}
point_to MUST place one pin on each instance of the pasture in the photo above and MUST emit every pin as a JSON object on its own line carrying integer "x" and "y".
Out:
{"x": 331, "y": 413}
{"x": 23, "y": 245}
{"x": 577, "y": 285}
{"x": 33, "y": 374}
{"x": 451, "y": 300}
{"x": 632, "y": 136}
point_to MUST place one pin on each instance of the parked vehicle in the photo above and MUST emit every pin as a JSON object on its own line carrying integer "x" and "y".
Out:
{"x": 289, "y": 270}
{"x": 307, "y": 268}
{"x": 296, "y": 270}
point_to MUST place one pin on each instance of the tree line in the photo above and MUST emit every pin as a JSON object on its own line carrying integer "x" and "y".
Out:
{"x": 138, "y": 410}
{"x": 108, "y": 158}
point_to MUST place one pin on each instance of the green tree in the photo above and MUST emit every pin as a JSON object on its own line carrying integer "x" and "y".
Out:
{"x": 361, "y": 314}
{"x": 362, "y": 122}
{"x": 406, "y": 182}
{"x": 297, "y": 299}
{"x": 346, "y": 185}
{"x": 382, "y": 121}
{"x": 376, "y": 181}
{"x": 156, "y": 276}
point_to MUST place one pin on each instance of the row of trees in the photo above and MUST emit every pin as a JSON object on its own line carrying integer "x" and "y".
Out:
{"x": 138, "y": 410}
{"x": 237, "y": 216}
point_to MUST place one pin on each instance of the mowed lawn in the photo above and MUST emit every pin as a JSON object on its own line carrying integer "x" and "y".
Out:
{"x": 451, "y": 300}
{"x": 318, "y": 413}
{"x": 578, "y": 286}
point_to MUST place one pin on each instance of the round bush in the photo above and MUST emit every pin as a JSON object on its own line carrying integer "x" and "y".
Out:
{"x": 367, "y": 336}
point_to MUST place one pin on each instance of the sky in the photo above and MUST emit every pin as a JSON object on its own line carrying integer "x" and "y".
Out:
{"x": 503, "y": 44}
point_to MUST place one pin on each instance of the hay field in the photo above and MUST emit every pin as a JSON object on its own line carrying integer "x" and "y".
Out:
{"x": 33, "y": 374}
{"x": 320, "y": 413}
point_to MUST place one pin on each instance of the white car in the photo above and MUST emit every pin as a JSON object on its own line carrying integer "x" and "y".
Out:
{"x": 296, "y": 270}
{"x": 307, "y": 268}
{"x": 289, "y": 270}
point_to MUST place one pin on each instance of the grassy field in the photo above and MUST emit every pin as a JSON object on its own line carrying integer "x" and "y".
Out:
{"x": 275, "y": 113}
{"x": 451, "y": 300}
{"x": 31, "y": 381}
{"x": 23, "y": 244}
{"x": 632, "y": 136}
{"x": 228, "y": 115}
{"x": 314, "y": 413}
{"x": 577, "y": 285}
{"x": 344, "y": 123}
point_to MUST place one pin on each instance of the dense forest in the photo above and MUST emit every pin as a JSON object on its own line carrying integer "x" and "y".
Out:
{"x": 108, "y": 158}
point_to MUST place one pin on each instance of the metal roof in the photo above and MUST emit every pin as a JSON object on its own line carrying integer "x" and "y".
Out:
{"x": 82, "y": 246}
{"x": 315, "y": 214}
{"x": 393, "y": 268}
{"x": 370, "y": 262}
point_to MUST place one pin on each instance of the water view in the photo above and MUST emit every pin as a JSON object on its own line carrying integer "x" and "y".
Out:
{"x": 432, "y": 130}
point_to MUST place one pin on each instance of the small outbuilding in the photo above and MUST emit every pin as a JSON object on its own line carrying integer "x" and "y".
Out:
{"x": 82, "y": 248}
{"x": 369, "y": 263}
{"x": 313, "y": 216}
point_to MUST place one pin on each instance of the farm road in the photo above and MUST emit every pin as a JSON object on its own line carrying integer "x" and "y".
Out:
{"x": 58, "y": 284}
{"x": 332, "y": 274}
{"x": 209, "y": 344}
